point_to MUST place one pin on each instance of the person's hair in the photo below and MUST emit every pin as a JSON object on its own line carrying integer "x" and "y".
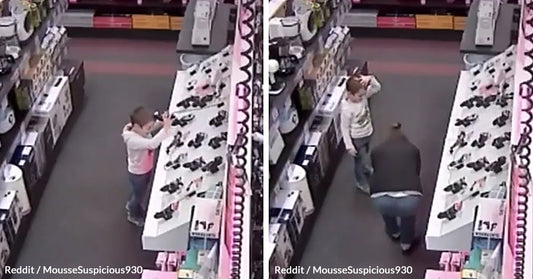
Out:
{"x": 353, "y": 84}
{"x": 140, "y": 116}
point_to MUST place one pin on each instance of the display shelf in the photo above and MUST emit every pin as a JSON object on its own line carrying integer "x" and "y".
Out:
{"x": 292, "y": 81}
{"x": 7, "y": 82}
{"x": 27, "y": 49}
{"x": 222, "y": 32}
{"x": 319, "y": 198}
{"x": 131, "y": 6}
{"x": 503, "y": 34}
{"x": 37, "y": 190}
{"x": 411, "y": 5}
{"x": 173, "y": 234}
{"x": 456, "y": 234}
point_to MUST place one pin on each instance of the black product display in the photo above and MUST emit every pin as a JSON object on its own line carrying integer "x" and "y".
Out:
{"x": 501, "y": 120}
{"x": 197, "y": 141}
{"x": 460, "y": 163}
{"x": 500, "y": 141}
{"x": 451, "y": 212}
{"x": 24, "y": 157}
{"x": 496, "y": 166}
{"x": 219, "y": 119}
{"x": 173, "y": 186}
{"x": 216, "y": 142}
{"x": 175, "y": 164}
{"x": 44, "y": 128}
{"x": 456, "y": 186}
{"x": 176, "y": 142}
{"x": 459, "y": 142}
{"x": 467, "y": 121}
{"x": 479, "y": 101}
{"x": 503, "y": 100}
{"x": 479, "y": 164}
{"x": 75, "y": 71}
{"x": 165, "y": 214}
{"x": 481, "y": 140}
{"x": 195, "y": 164}
{"x": 213, "y": 166}
{"x": 307, "y": 157}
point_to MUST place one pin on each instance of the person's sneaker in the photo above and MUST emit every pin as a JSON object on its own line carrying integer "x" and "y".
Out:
{"x": 394, "y": 237}
{"x": 407, "y": 249}
{"x": 363, "y": 189}
{"x": 136, "y": 221}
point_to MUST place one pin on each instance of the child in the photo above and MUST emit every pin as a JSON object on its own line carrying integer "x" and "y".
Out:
{"x": 356, "y": 125}
{"x": 140, "y": 147}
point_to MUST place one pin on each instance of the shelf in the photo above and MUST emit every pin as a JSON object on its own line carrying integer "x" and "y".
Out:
{"x": 8, "y": 82}
{"x": 28, "y": 47}
{"x": 411, "y": 5}
{"x": 277, "y": 101}
{"x": 130, "y": 6}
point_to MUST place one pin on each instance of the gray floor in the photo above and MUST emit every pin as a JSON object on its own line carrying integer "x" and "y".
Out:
{"x": 418, "y": 80}
{"x": 81, "y": 219}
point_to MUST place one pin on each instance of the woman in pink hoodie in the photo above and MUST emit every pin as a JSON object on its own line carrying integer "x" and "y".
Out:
{"x": 140, "y": 145}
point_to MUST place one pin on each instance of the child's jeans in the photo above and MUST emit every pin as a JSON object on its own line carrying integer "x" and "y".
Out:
{"x": 362, "y": 163}
{"x": 139, "y": 183}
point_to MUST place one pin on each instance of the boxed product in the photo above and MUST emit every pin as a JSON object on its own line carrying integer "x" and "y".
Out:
{"x": 288, "y": 209}
{"x": 161, "y": 22}
{"x": 459, "y": 22}
{"x": 318, "y": 139}
{"x": 36, "y": 141}
{"x": 75, "y": 71}
{"x": 176, "y": 22}
{"x": 279, "y": 236}
{"x": 77, "y": 18}
{"x": 276, "y": 146}
{"x": 10, "y": 214}
{"x": 434, "y": 21}
{"x": 112, "y": 21}
{"x": 325, "y": 125}
{"x": 24, "y": 158}
{"x": 43, "y": 126}
{"x": 397, "y": 21}
{"x": 4, "y": 249}
{"x": 307, "y": 157}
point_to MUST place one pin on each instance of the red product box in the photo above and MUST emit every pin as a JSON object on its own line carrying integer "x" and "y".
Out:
{"x": 404, "y": 22}
{"x": 123, "y": 22}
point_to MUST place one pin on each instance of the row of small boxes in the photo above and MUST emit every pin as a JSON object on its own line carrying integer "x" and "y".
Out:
{"x": 372, "y": 19}
{"x": 79, "y": 18}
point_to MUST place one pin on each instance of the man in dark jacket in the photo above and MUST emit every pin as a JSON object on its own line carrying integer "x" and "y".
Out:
{"x": 395, "y": 186}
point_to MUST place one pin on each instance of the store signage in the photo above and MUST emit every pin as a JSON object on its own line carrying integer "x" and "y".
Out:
{"x": 490, "y": 218}
{"x": 206, "y": 218}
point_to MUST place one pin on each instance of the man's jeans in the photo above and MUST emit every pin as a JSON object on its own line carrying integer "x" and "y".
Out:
{"x": 404, "y": 209}
{"x": 362, "y": 163}
{"x": 139, "y": 183}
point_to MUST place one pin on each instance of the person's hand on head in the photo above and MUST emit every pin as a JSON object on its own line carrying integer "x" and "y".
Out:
{"x": 365, "y": 81}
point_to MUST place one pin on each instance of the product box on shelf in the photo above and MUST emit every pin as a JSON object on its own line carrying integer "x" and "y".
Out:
{"x": 360, "y": 18}
{"x": 288, "y": 209}
{"x": 5, "y": 251}
{"x": 112, "y": 21}
{"x": 36, "y": 141}
{"x": 176, "y": 22}
{"x": 77, "y": 18}
{"x": 307, "y": 157}
{"x": 24, "y": 158}
{"x": 318, "y": 139}
{"x": 37, "y": 74}
{"x": 75, "y": 71}
{"x": 434, "y": 21}
{"x": 276, "y": 146}
{"x": 274, "y": 260}
{"x": 206, "y": 218}
{"x": 43, "y": 126}
{"x": 397, "y": 21}
{"x": 459, "y": 22}
{"x": 279, "y": 236}
{"x": 490, "y": 218}
{"x": 161, "y": 22}
{"x": 10, "y": 214}
{"x": 326, "y": 127}
{"x": 56, "y": 105}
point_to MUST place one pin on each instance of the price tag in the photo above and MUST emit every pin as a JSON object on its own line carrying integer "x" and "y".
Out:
{"x": 490, "y": 218}
{"x": 206, "y": 218}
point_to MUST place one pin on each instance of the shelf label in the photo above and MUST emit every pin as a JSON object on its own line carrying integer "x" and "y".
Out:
{"x": 206, "y": 218}
{"x": 490, "y": 218}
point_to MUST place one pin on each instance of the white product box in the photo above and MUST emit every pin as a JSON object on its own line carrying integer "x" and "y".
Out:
{"x": 276, "y": 146}
{"x": 9, "y": 204}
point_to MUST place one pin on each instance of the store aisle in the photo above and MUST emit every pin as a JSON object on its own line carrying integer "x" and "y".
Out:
{"x": 81, "y": 218}
{"x": 419, "y": 80}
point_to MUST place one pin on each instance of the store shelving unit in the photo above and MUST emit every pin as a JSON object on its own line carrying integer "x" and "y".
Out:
{"x": 11, "y": 139}
{"x": 14, "y": 137}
